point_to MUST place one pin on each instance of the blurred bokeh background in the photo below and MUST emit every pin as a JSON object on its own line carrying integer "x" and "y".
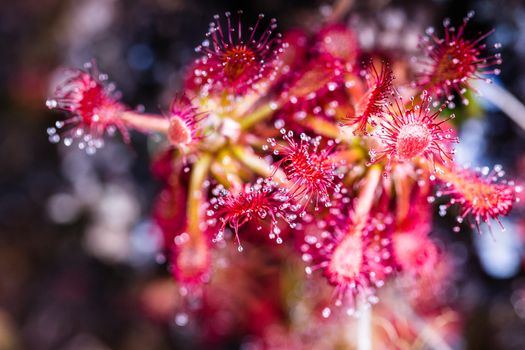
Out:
{"x": 79, "y": 268}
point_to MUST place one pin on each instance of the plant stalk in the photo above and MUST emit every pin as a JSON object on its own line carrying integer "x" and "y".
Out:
{"x": 145, "y": 122}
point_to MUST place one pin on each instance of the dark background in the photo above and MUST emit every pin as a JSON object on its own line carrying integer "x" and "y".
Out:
{"x": 57, "y": 290}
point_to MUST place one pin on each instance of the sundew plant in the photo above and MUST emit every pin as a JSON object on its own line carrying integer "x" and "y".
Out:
{"x": 306, "y": 147}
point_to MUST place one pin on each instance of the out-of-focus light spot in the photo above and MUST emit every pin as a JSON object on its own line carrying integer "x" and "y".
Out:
{"x": 518, "y": 302}
{"x": 146, "y": 242}
{"x": 63, "y": 208}
{"x": 410, "y": 40}
{"x": 86, "y": 19}
{"x": 140, "y": 57}
{"x": 108, "y": 237}
{"x": 181, "y": 319}
{"x": 326, "y": 10}
{"x": 394, "y": 19}
{"x": 503, "y": 34}
{"x": 367, "y": 36}
{"x": 472, "y": 143}
{"x": 500, "y": 253}
{"x": 118, "y": 207}
{"x": 107, "y": 243}
{"x": 486, "y": 104}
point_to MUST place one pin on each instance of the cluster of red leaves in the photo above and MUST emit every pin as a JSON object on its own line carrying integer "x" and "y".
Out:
{"x": 307, "y": 85}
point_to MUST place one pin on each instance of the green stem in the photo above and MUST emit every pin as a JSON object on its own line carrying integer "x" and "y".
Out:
{"x": 257, "y": 164}
{"x": 322, "y": 127}
{"x": 263, "y": 112}
{"x": 196, "y": 195}
{"x": 226, "y": 170}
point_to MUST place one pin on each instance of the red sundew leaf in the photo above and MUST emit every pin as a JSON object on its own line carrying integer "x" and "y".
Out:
{"x": 355, "y": 259}
{"x": 323, "y": 86}
{"x": 258, "y": 202}
{"x": 316, "y": 79}
{"x": 169, "y": 208}
{"x": 235, "y": 61}
{"x": 405, "y": 134}
{"x": 375, "y": 100}
{"x": 190, "y": 260}
{"x": 308, "y": 167}
{"x": 169, "y": 212}
{"x": 414, "y": 252}
{"x": 451, "y": 62}
{"x": 338, "y": 42}
{"x": 288, "y": 63}
{"x": 480, "y": 193}
{"x": 184, "y": 120}
{"x": 296, "y": 41}
{"x": 93, "y": 106}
